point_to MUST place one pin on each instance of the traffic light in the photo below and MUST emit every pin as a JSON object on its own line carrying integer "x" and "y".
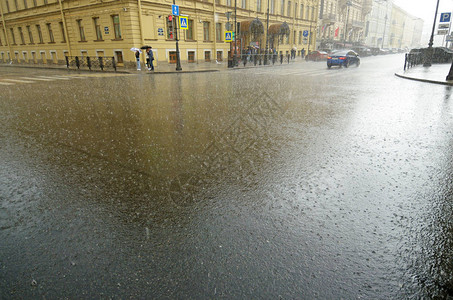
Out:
{"x": 170, "y": 27}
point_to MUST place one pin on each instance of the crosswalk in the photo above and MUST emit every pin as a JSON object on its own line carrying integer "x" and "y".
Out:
{"x": 13, "y": 80}
{"x": 322, "y": 73}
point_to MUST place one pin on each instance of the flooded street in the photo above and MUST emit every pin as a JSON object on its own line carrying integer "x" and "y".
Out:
{"x": 291, "y": 182}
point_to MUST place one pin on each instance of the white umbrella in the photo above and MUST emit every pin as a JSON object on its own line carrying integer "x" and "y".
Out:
{"x": 136, "y": 49}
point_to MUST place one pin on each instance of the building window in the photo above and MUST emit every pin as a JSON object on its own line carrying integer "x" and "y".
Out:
{"x": 25, "y": 4}
{"x": 15, "y": 4}
{"x": 307, "y": 11}
{"x": 288, "y": 11}
{"x": 191, "y": 56}
{"x": 207, "y": 56}
{"x": 189, "y": 31}
{"x": 228, "y": 2}
{"x": 34, "y": 3}
{"x": 97, "y": 28}
{"x": 301, "y": 12}
{"x": 116, "y": 26}
{"x": 243, "y": 4}
{"x": 282, "y": 8}
{"x": 45, "y": 2}
{"x": 21, "y": 34}
{"x": 172, "y": 56}
{"x": 217, "y": 2}
{"x": 219, "y": 55}
{"x": 119, "y": 57}
{"x": 81, "y": 30}
{"x": 313, "y": 13}
{"x": 49, "y": 30}
{"x": 295, "y": 10}
{"x": 258, "y": 5}
{"x": 7, "y": 6}
{"x": 294, "y": 37}
{"x": 206, "y": 31}
{"x": 63, "y": 40}
{"x": 12, "y": 35}
{"x": 272, "y": 10}
{"x": 30, "y": 34}
{"x": 218, "y": 32}
{"x": 300, "y": 37}
{"x": 38, "y": 28}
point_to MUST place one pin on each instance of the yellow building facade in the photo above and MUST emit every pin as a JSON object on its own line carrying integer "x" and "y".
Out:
{"x": 46, "y": 31}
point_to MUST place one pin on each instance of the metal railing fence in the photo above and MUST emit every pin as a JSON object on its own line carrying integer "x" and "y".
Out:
{"x": 91, "y": 62}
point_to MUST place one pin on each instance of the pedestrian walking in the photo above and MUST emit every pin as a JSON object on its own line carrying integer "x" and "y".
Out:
{"x": 150, "y": 53}
{"x": 137, "y": 56}
{"x": 303, "y": 53}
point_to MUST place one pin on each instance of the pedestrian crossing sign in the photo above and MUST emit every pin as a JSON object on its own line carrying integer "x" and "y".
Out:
{"x": 183, "y": 23}
{"x": 228, "y": 36}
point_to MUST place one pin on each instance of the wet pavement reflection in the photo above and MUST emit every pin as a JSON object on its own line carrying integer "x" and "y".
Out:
{"x": 260, "y": 183}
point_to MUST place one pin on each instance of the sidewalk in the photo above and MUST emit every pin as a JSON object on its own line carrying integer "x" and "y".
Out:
{"x": 159, "y": 68}
{"x": 437, "y": 73}
{"x": 166, "y": 68}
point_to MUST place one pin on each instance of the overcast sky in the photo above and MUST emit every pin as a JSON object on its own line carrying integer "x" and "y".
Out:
{"x": 425, "y": 9}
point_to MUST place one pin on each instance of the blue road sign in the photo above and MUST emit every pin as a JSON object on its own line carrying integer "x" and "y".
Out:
{"x": 183, "y": 23}
{"x": 305, "y": 33}
{"x": 445, "y": 17}
{"x": 228, "y": 36}
{"x": 175, "y": 10}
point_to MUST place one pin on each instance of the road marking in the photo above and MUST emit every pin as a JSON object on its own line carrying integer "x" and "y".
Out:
{"x": 54, "y": 77}
{"x": 6, "y": 83}
{"x": 310, "y": 73}
{"x": 34, "y": 78}
{"x": 18, "y": 81}
{"x": 331, "y": 75}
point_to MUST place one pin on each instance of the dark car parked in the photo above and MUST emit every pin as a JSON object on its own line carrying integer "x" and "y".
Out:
{"x": 343, "y": 58}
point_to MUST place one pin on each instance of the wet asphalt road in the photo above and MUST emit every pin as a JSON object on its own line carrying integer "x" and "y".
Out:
{"x": 292, "y": 182}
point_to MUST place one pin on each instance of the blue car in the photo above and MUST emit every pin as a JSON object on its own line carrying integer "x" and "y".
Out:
{"x": 343, "y": 58}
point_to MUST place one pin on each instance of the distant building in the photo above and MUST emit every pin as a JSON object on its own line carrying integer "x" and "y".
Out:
{"x": 378, "y": 24}
{"x": 405, "y": 29}
{"x": 45, "y": 31}
{"x": 342, "y": 22}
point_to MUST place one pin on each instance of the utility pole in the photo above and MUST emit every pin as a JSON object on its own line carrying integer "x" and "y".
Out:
{"x": 429, "y": 51}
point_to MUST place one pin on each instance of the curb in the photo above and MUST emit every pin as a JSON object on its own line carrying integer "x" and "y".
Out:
{"x": 425, "y": 80}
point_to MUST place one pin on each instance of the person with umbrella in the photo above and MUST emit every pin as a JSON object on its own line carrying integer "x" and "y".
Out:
{"x": 148, "y": 60}
{"x": 137, "y": 57}
{"x": 149, "y": 51}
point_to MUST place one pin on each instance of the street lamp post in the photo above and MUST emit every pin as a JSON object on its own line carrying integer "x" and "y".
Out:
{"x": 429, "y": 51}
{"x": 178, "y": 58}
{"x": 450, "y": 74}
{"x": 235, "y": 32}
{"x": 267, "y": 34}
{"x": 348, "y": 4}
